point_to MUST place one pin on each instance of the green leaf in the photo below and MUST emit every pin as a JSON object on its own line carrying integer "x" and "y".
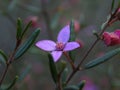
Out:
{"x": 55, "y": 20}
{"x": 24, "y": 73}
{"x": 64, "y": 75}
{"x": 102, "y": 59}
{"x": 72, "y": 38}
{"x": 12, "y": 5}
{"x": 53, "y": 68}
{"x": 12, "y": 84}
{"x": 72, "y": 87}
{"x": 4, "y": 56}
{"x": 19, "y": 29}
{"x": 61, "y": 66}
{"x": 26, "y": 28}
{"x": 27, "y": 44}
{"x": 72, "y": 32}
{"x": 112, "y": 5}
{"x": 81, "y": 84}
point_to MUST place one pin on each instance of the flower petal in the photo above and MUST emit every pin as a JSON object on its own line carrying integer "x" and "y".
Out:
{"x": 106, "y": 38}
{"x": 46, "y": 45}
{"x": 71, "y": 46}
{"x": 56, "y": 55}
{"x": 111, "y": 39}
{"x": 117, "y": 32}
{"x": 64, "y": 34}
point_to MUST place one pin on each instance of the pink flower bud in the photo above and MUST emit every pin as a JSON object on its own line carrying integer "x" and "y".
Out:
{"x": 77, "y": 26}
{"x": 111, "y": 39}
{"x": 117, "y": 32}
{"x": 34, "y": 20}
{"x": 81, "y": 43}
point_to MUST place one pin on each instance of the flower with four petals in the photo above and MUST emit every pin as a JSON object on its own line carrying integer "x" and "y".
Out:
{"x": 62, "y": 45}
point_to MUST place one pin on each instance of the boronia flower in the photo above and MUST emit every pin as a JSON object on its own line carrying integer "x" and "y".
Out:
{"x": 62, "y": 45}
{"x": 112, "y": 38}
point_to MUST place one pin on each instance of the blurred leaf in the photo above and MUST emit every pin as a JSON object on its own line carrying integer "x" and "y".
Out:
{"x": 12, "y": 5}
{"x": 4, "y": 56}
{"x": 81, "y": 84}
{"x": 26, "y": 28}
{"x": 24, "y": 73}
{"x": 29, "y": 8}
{"x": 112, "y": 5}
{"x": 53, "y": 68}
{"x": 72, "y": 87}
{"x": 72, "y": 38}
{"x": 27, "y": 44}
{"x": 61, "y": 66}
{"x": 64, "y": 75}
{"x": 9, "y": 87}
{"x": 54, "y": 21}
{"x": 19, "y": 29}
{"x": 102, "y": 59}
{"x": 72, "y": 32}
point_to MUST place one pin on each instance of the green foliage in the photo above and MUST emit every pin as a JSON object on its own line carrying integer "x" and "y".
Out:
{"x": 64, "y": 75}
{"x": 53, "y": 68}
{"x": 26, "y": 28}
{"x": 102, "y": 59}
{"x": 71, "y": 87}
{"x": 19, "y": 29}
{"x": 72, "y": 32}
{"x": 4, "y": 56}
{"x": 24, "y": 73}
{"x": 61, "y": 66}
{"x": 72, "y": 38}
{"x": 27, "y": 44}
{"x": 81, "y": 84}
{"x": 112, "y": 5}
{"x": 9, "y": 87}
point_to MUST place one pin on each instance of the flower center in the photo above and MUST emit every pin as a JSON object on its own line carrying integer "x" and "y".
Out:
{"x": 60, "y": 46}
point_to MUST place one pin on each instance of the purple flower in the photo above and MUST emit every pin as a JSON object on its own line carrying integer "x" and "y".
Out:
{"x": 62, "y": 45}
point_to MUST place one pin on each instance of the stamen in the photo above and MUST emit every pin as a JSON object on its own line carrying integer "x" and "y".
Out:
{"x": 60, "y": 46}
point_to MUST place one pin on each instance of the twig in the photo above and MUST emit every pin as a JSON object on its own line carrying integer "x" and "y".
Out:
{"x": 69, "y": 60}
{"x": 87, "y": 53}
{"x": 8, "y": 63}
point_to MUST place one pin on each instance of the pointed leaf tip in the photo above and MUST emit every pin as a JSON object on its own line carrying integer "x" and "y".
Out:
{"x": 27, "y": 44}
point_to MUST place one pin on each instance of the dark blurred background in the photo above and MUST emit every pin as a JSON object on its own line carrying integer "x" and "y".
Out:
{"x": 51, "y": 16}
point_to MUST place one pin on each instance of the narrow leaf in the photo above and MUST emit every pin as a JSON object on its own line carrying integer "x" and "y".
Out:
{"x": 26, "y": 28}
{"x": 55, "y": 20}
{"x": 112, "y": 5}
{"x": 24, "y": 73}
{"x": 71, "y": 87}
{"x": 64, "y": 75}
{"x": 72, "y": 32}
{"x": 12, "y": 84}
{"x": 61, "y": 66}
{"x": 19, "y": 29}
{"x": 81, "y": 84}
{"x": 27, "y": 44}
{"x": 72, "y": 38}
{"x": 4, "y": 56}
{"x": 53, "y": 68}
{"x": 102, "y": 59}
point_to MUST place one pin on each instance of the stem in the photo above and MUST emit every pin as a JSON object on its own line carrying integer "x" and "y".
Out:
{"x": 59, "y": 85}
{"x": 69, "y": 60}
{"x": 4, "y": 74}
{"x": 8, "y": 63}
{"x": 87, "y": 53}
